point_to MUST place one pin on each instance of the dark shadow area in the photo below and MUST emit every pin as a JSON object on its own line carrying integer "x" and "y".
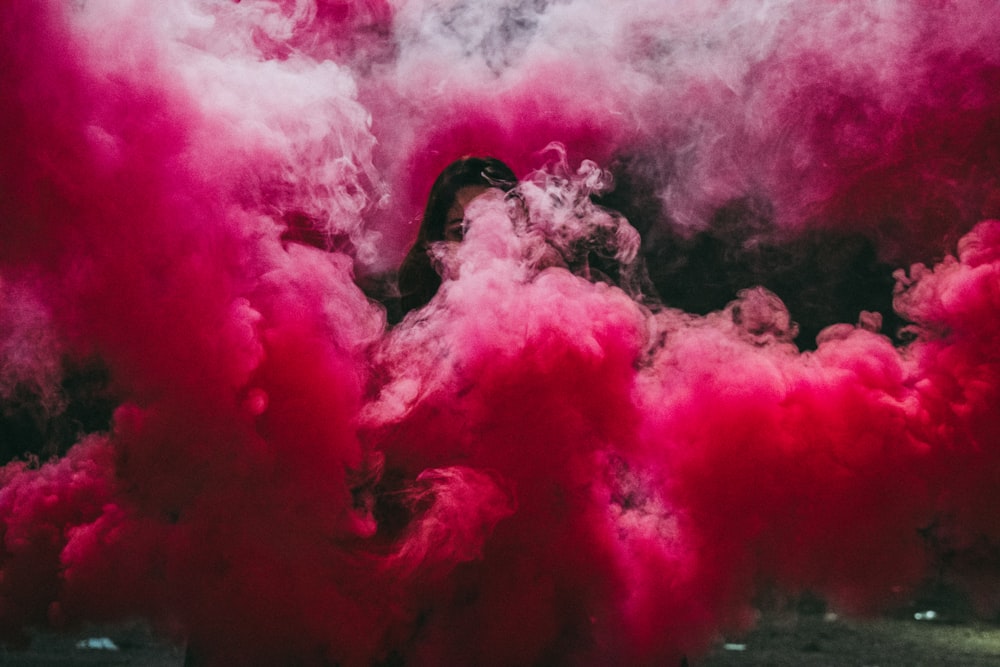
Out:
{"x": 32, "y": 425}
{"x": 823, "y": 276}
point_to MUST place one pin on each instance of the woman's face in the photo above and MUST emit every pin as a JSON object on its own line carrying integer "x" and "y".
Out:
{"x": 454, "y": 222}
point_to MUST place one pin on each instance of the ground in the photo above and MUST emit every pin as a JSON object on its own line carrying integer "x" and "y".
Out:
{"x": 805, "y": 640}
{"x": 779, "y": 640}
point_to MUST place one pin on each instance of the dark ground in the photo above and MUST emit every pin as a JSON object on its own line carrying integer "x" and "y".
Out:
{"x": 824, "y": 640}
{"x": 780, "y": 639}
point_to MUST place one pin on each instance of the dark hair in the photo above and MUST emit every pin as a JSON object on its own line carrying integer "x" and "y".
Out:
{"x": 418, "y": 281}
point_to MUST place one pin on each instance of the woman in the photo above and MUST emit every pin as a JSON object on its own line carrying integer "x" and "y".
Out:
{"x": 456, "y": 186}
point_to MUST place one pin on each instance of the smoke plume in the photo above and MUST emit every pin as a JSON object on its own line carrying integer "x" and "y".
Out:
{"x": 736, "y": 328}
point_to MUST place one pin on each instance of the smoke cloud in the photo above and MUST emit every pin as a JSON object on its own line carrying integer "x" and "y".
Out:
{"x": 735, "y": 329}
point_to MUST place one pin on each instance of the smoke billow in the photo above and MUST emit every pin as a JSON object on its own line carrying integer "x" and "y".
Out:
{"x": 734, "y": 329}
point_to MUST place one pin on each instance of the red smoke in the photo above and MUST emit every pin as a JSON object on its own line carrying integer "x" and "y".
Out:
{"x": 535, "y": 468}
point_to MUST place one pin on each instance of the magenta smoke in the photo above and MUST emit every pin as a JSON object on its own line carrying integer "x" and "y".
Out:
{"x": 772, "y": 362}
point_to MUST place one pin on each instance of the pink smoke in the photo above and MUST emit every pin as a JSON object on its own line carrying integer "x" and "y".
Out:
{"x": 535, "y": 468}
